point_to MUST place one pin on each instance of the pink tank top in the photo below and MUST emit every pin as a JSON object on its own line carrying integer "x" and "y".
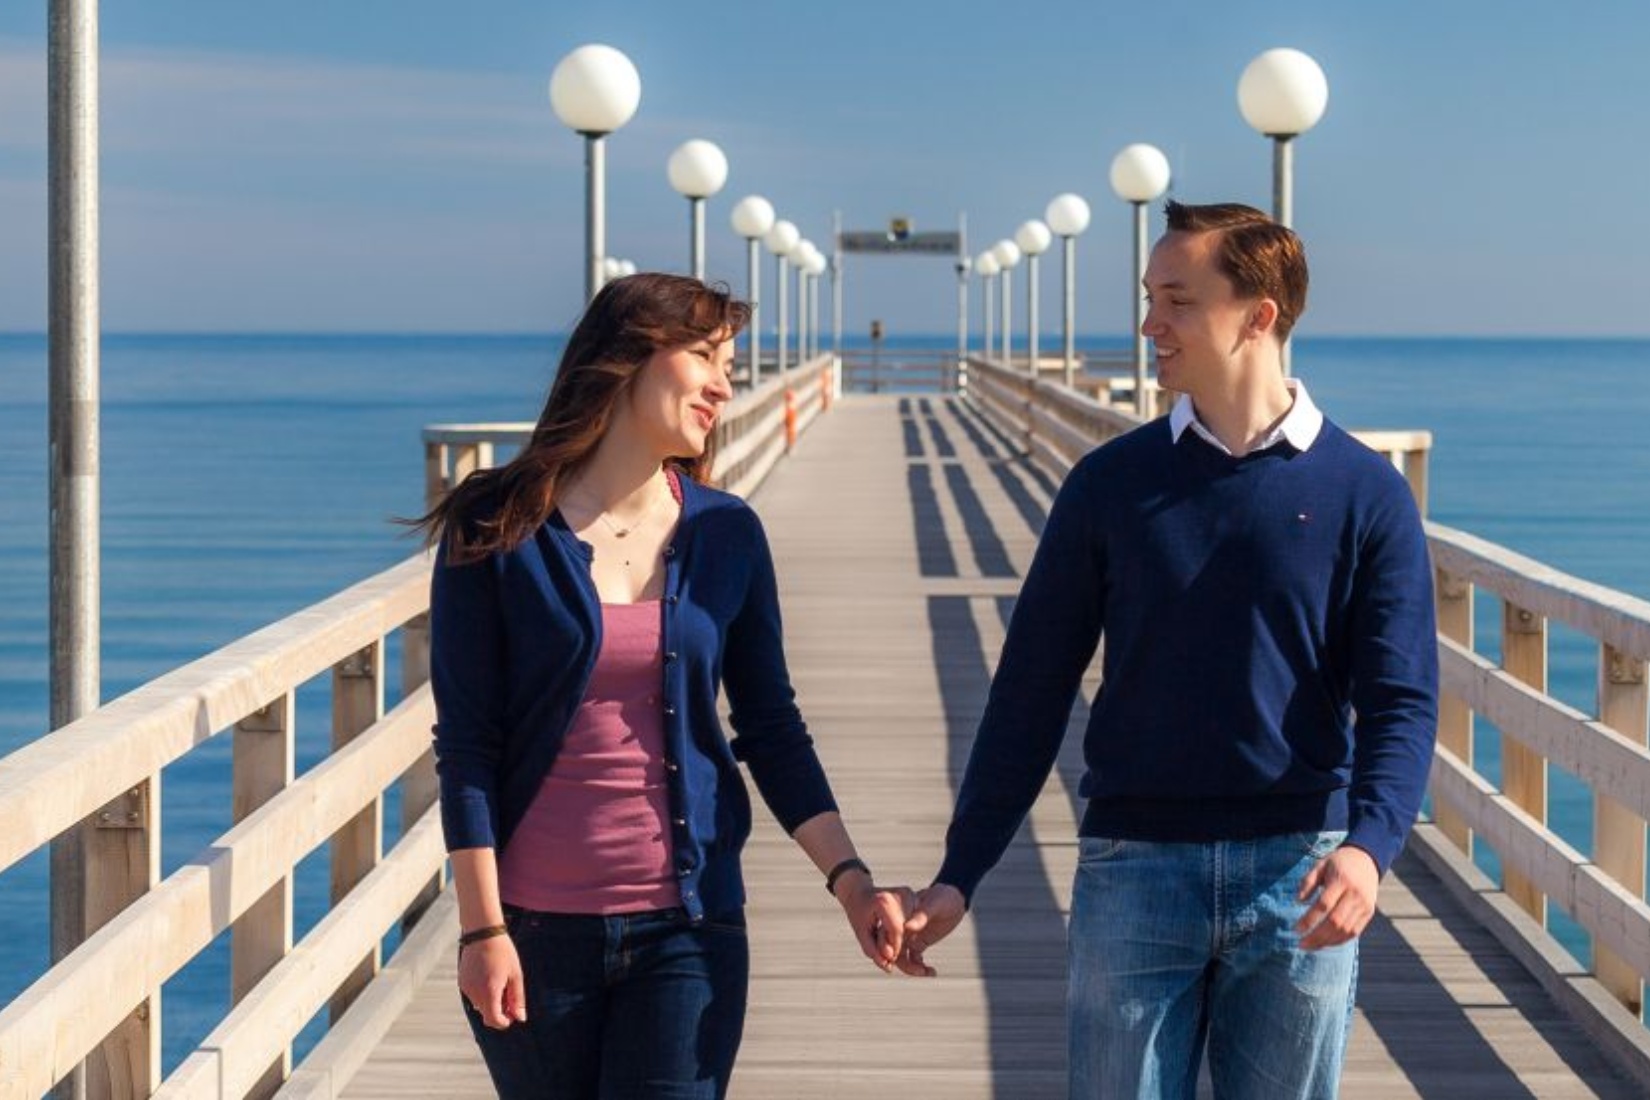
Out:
{"x": 596, "y": 838}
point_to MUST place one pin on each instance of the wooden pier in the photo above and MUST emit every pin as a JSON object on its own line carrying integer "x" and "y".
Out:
{"x": 902, "y": 525}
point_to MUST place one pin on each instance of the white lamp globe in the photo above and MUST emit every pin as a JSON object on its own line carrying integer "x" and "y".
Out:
{"x": 987, "y": 265}
{"x": 816, "y": 264}
{"x": 1139, "y": 173}
{"x": 1033, "y": 237}
{"x": 752, "y": 216}
{"x": 627, "y": 267}
{"x": 781, "y": 237}
{"x": 595, "y": 89}
{"x": 799, "y": 251}
{"x": 697, "y": 169}
{"x": 1007, "y": 253}
{"x": 1283, "y": 92}
{"x": 1067, "y": 215}
{"x": 611, "y": 267}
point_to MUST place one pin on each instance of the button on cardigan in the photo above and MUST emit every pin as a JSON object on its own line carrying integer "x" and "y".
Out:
{"x": 513, "y": 640}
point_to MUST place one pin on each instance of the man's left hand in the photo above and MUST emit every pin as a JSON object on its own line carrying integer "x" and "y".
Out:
{"x": 1346, "y": 882}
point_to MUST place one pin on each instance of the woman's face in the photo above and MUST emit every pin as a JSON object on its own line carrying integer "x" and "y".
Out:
{"x": 679, "y": 394}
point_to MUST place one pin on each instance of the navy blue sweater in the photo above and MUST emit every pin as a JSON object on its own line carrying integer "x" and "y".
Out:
{"x": 1250, "y": 607}
{"x": 513, "y": 641}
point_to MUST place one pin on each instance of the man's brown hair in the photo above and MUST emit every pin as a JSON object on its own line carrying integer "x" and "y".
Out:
{"x": 1261, "y": 258}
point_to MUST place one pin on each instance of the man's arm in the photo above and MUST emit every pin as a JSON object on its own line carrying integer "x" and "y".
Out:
{"x": 1051, "y": 639}
{"x": 1395, "y": 696}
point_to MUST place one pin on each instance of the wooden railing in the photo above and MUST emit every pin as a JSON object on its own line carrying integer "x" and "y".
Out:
{"x": 1606, "y": 750}
{"x": 101, "y": 776}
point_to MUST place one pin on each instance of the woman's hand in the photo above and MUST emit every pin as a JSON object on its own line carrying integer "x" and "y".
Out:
{"x": 489, "y": 977}
{"x": 877, "y": 917}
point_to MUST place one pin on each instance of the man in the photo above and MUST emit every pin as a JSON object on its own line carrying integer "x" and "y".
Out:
{"x": 1259, "y": 746}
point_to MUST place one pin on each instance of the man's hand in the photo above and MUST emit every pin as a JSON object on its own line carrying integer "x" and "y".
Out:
{"x": 939, "y": 909}
{"x": 1346, "y": 882}
{"x": 489, "y": 977}
{"x": 876, "y": 916}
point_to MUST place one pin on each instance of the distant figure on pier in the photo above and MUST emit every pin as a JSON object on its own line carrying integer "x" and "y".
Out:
{"x": 589, "y": 600}
{"x": 1260, "y": 742}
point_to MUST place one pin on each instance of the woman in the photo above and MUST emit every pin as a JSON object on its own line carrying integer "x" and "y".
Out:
{"x": 589, "y": 600}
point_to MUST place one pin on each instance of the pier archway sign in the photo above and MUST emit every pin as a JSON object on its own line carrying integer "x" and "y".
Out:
{"x": 901, "y": 238}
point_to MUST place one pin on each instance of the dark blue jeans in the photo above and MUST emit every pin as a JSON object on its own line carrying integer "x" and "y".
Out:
{"x": 637, "y": 1006}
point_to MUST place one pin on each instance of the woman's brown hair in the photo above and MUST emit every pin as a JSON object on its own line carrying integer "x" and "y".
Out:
{"x": 627, "y": 321}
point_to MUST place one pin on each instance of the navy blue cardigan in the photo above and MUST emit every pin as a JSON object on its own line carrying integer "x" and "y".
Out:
{"x": 514, "y": 639}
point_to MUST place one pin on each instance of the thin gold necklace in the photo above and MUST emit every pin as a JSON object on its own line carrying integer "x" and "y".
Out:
{"x": 622, "y": 532}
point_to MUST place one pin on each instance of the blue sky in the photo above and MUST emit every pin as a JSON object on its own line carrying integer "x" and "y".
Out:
{"x": 379, "y": 166}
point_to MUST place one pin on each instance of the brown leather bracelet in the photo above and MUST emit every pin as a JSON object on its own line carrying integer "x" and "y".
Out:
{"x": 852, "y": 864}
{"x": 475, "y": 935}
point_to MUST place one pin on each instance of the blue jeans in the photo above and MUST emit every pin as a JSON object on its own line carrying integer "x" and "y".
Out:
{"x": 1174, "y": 947}
{"x": 625, "y": 1007}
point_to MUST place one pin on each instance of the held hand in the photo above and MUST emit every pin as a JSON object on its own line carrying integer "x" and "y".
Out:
{"x": 877, "y": 917}
{"x": 489, "y": 977}
{"x": 939, "y": 909}
{"x": 1346, "y": 882}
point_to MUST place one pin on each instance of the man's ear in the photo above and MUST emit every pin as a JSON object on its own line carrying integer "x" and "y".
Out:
{"x": 1263, "y": 317}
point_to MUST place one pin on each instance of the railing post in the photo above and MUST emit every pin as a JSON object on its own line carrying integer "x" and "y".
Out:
{"x": 1523, "y": 770}
{"x": 1618, "y": 833}
{"x": 122, "y": 864}
{"x": 1415, "y": 472}
{"x": 435, "y": 473}
{"x": 263, "y": 767}
{"x": 1453, "y": 598}
{"x": 357, "y": 702}
{"x": 418, "y": 785}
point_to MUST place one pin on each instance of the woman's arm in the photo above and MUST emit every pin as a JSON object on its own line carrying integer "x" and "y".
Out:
{"x": 489, "y": 971}
{"x": 877, "y": 917}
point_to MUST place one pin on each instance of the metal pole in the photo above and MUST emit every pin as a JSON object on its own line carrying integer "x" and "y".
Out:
{"x": 1068, "y": 256}
{"x": 73, "y": 277}
{"x": 1283, "y": 198}
{"x": 813, "y": 313}
{"x": 783, "y": 310}
{"x": 1031, "y": 315}
{"x": 801, "y": 314}
{"x": 1007, "y": 304}
{"x": 595, "y": 213}
{"x": 962, "y": 300}
{"x": 988, "y": 306}
{"x": 1140, "y": 405}
{"x": 753, "y": 279}
{"x": 836, "y": 284}
{"x": 696, "y": 218}
{"x": 1283, "y": 187}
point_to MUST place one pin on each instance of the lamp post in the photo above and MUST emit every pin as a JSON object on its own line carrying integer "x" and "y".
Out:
{"x": 799, "y": 262}
{"x": 780, "y": 239}
{"x": 1068, "y": 216}
{"x": 1283, "y": 93}
{"x": 1139, "y": 174}
{"x": 1033, "y": 238}
{"x": 697, "y": 170}
{"x": 987, "y": 267}
{"x": 752, "y": 217}
{"x": 816, "y": 267}
{"x": 595, "y": 90}
{"x": 1008, "y": 254}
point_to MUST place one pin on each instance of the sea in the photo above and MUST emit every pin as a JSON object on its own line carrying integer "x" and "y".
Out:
{"x": 247, "y": 476}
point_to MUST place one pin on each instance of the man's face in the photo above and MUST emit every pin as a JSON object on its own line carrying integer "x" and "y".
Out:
{"x": 1194, "y": 319}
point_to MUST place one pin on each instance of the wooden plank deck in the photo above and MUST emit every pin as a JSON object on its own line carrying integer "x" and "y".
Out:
{"x": 902, "y": 527}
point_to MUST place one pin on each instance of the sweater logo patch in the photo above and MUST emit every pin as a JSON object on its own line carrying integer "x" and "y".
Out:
{"x": 1304, "y": 517}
